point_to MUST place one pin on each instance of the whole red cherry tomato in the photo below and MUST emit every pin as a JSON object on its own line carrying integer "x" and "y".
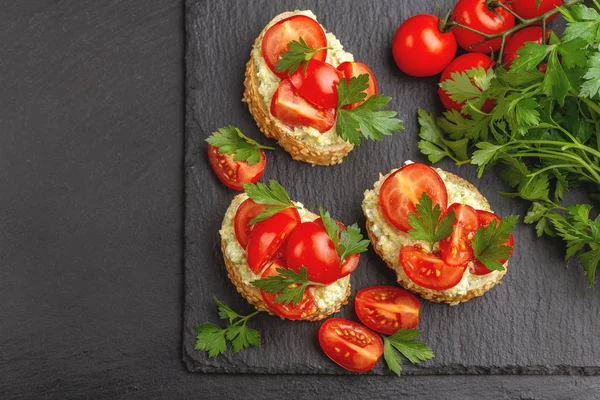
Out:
{"x": 518, "y": 39}
{"x": 311, "y": 247}
{"x": 420, "y": 48}
{"x": 234, "y": 173}
{"x": 476, "y": 15}
{"x": 461, "y": 64}
{"x": 318, "y": 84}
{"x": 528, "y": 8}
{"x": 350, "y": 345}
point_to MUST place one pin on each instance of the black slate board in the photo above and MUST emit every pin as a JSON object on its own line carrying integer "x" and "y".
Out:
{"x": 543, "y": 318}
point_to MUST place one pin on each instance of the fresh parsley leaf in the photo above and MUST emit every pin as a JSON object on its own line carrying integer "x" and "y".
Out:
{"x": 425, "y": 224}
{"x": 583, "y": 23}
{"x": 404, "y": 342}
{"x": 485, "y": 154}
{"x": 299, "y": 53}
{"x": 488, "y": 243}
{"x": 230, "y": 140}
{"x": 556, "y": 82}
{"x": 434, "y": 145}
{"x": 367, "y": 119}
{"x": 273, "y": 195}
{"x": 212, "y": 338}
{"x": 591, "y": 86}
{"x": 531, "y": 54}
{"x": 349, "y": 242}
{"x": 288, "y": 285}
{"x": 589, "y": 261}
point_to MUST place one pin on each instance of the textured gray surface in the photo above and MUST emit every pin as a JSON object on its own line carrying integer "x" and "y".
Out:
{"x": 540, "y": 321}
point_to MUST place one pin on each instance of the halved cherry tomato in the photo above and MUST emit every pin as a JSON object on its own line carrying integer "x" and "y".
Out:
{"x": 246, "y": 213}
{"x": 318, "y": 84}
{"x": 266, "y": 238}
{"x": 309, "y": 246}
{"x": 428, "y": 269}
{"x": 276, "y": 39}
{"x": 351, "y": 262}
{"x": 352, "y": 69}
{"x": 402, "y": 190}
{"x": 350, "y": 345}
{"x": 234, "y": 173}
{"x": 456, "y": 249}
{"x": 461, "y": 64}
{"x": 485, "y": 218}
{"x": 518, "y": 39}
{"x": 305, "y": 308}
{"x": 385, "y": 309}
{"x": 292, "y": 109}
{"x": 528, "y": 8}
{"x": 476, "y": 14}
{"x": 420, "y": 48}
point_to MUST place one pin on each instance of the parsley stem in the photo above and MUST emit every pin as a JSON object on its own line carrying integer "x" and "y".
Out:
{"x": 558, "y": 155}
{"x": 246, "y": 318}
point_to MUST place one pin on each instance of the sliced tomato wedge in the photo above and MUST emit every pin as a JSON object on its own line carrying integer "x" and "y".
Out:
{"x": 485, "y": 218}
{"x": 385, "y": 309}
{"x": 456, "y": 249}
{"x": 246, "y": 213}
{"x": 318, "y": 84}
{"x": 234, "y": 173}
{"x": 276, "y": 39}
{"x": 352, "y": 69}
{"x": 402, "y": 190}
{"x": 266, "y": 238}
{"x": 292, "y": 109}
{"x": 351, "y": 262}
{"x": 350, "y": 345}
{"x": 311, "y": 247}
{"x": 428, "y": 269}
{"x": 305, "y": 308}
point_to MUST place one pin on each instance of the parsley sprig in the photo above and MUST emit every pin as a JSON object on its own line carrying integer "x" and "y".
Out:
{"x": 230, "y": 140}
{"x": 367, "y": 119}
{"x": 425, "y": 225}
{"x": 350, "y": 241}
{"x": 288, "y": 285}
{"x": 299, "y": 54}
{"x": 273, "y": 195}
{"x": 543, "y": 133}
{"x": 213, "y": 338}
{"x": 488, "y": 243}
{"x": 403, "y": 341}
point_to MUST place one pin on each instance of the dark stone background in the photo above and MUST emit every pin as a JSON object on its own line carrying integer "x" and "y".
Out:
{"x": 91, "y": 219}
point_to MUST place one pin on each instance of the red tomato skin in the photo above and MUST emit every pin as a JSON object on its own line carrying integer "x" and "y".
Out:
{"x": 464, "y": 63}
{"x": 234, "y": 173}
{"x": 246, "y": 212}
{"x": 456, "y": 249}
{"x": 266, "y": 238}
{"x": 428, "y": 269}
{"x": 376, "y": 306}
{"x": 307, "y": 307}
{"x": 309, "y": 246}
{"x": 276, "y": 38}
{"x": 414, "y": 179}
{"x": 485, "y": 218}
{"x": 518, "y": 40}
{"x": 476, "y": 14}
{"x": 420, "y": 48}
{"x": 527, "y": 9}
{"x": 294, "y": 110}
{"x": 318, "y": 84}
{"x": 351, "y": 262}
{"x": 352, "y": 69}
{"x": 366, "y": 349}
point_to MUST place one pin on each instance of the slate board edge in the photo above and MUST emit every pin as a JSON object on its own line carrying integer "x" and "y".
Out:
{"x": 191, "y": 125}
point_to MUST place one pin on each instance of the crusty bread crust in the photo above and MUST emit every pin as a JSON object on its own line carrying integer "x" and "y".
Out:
{"x": 252, "y": 294}
{"x": 438, "y": 296}
{"x": 329, "y": 155}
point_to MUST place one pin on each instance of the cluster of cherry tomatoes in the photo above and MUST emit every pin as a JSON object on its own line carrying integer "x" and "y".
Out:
{"x": 308, "y": 97}
{"x": 433, "y": 270}
{"x": 284, "y": 241}
{"x": 425, "y": 46}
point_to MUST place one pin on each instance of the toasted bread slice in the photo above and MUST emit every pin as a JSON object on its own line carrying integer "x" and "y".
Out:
{"x": 385, "y": 239}
{"x": 329, "y": 298}
{"x": 299, "y": 148}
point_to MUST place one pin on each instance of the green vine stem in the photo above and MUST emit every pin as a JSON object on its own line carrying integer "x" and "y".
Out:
{"x": 523, "y": 23}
